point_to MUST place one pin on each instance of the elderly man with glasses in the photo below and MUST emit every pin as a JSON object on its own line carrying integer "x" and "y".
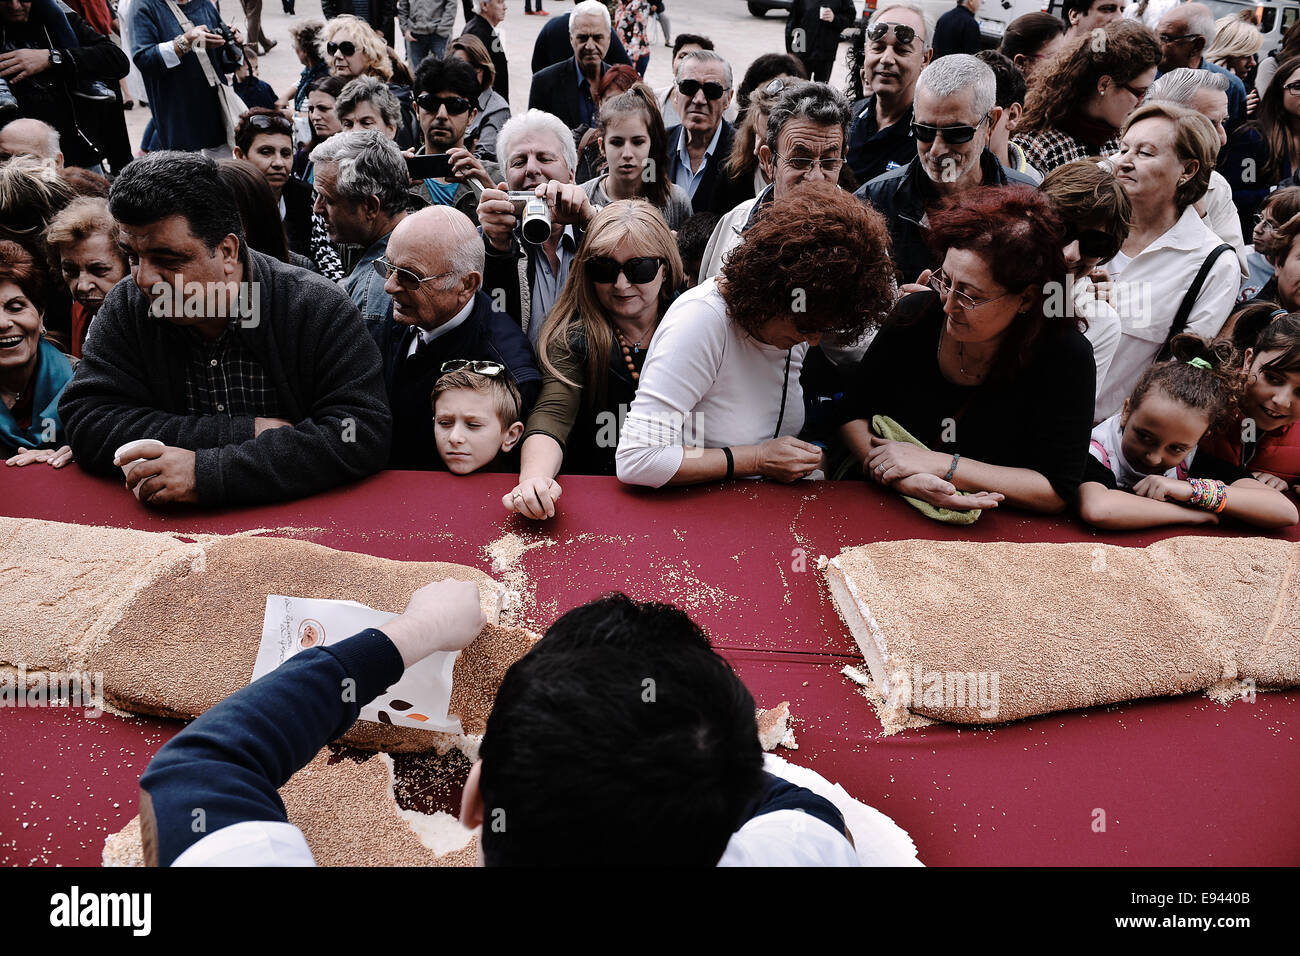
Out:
{"x": 701, "y": 143}
{"x": 433, "y": 273}
{"x": 1185, "y": 32}
{"x": 952, "y": 118}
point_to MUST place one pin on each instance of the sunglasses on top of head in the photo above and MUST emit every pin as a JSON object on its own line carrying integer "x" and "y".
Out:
{"x": 478, "y": 367}
{"x": 903, "y": 34}
{"x": 712, "y": 91}
{"x": 952, "y": 135}
{"x": 456, "y": 105}
{"x": 347, "y": 48}
{"x": 639, "y": 270}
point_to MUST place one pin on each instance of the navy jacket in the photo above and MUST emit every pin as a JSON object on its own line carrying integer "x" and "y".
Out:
{"x": 713, "y": 193}
{"x": 485, "y": 335}
{"x": 901, "y": 197}
{"x": 553, "y": 45}
{"x": 555, "y": 90}
{"x": 956, "y": 32}
{"x": 478, "y": 27}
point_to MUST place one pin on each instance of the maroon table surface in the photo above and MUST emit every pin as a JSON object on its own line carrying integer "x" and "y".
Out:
{"x": 1177, "y": 781}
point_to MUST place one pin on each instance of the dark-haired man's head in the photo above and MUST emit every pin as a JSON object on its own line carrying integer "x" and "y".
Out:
{"x": 178, "y": 223}
{"x": 446, "y": 97}
{"x": 1083, "y": 16}
{"x": 692, "y": 239}
{"x": 1010, "y": 96}
{"x": 620, "y": 739}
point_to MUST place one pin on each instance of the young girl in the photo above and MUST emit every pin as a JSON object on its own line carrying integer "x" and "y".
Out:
{"x": 1262, "y": 434}
{"x": 1145, "y": 468}
{"x": 635, "y": 147}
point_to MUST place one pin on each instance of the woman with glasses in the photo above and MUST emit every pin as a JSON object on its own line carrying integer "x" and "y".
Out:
{"x": 633, "y": 144}
{"x": 720, "y": 394}
{"x": 1172, "y": 274}
{"x": 993, "y": 381}
{"x": 1280, "y": 207}
{"x": 593, "y": 347}
{"x": 1265, "y": 151}
{"x": 1078, "y": 103}
{"x": 1096, "y": 212}
{"x": 352, "y": 48}
{"x": 1283, "y": 250}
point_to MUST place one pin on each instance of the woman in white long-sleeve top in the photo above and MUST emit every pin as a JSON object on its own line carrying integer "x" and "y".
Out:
{"x": 719, "y": 395}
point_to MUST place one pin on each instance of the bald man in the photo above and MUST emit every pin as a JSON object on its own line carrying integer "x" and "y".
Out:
{"x": 439, "y": 314}
{"x": 31, "y": 137}
{"x": 1185, "y": 32}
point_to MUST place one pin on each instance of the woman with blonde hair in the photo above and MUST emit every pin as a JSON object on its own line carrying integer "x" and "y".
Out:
{"x": 592, "y": 348}
{"x": 1235, "y": 45}
{"x": 83, "y": 250}
{"x": 352, "y": 48}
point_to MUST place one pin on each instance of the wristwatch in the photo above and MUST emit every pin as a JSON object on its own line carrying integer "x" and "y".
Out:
{"x": 56, "y": 58}
{"x": 183, "y": 43}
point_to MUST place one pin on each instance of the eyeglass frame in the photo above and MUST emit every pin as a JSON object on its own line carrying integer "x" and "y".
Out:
{"x": 338, "y": 48}
{"x": 942, "y": 130}
{"x": 886, "y": 28}
{"x": 1165, "y": 38}
{"x": 464, "y": 365}
{"x": 790, "y": 161}
{"x": 444, "y": 102}
{"x": 386, "y": 269}
{"x": 937, "y": 285}
{"x": 677, "y": 84}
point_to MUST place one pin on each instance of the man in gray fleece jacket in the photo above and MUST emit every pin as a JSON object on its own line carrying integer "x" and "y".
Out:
{"x": 258, "y": 377}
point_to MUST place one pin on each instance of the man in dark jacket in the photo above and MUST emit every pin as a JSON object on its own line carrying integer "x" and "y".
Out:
{"x": 568, "y": 89}
{"x": 257, "y": 377}
{"x": 812, "y": 33}
{"x": 435, "y": 272}
{"x": 378, "y": 13}
{"x": 484, "y": 26}
{"x": 698, "y": 147}
{"x": 48, "y": 61}
{"x": 895, "y": 49}
{"x": 957, "y": 30}
{"x": 552, "y": 46}
{"x": 954, "y": 111}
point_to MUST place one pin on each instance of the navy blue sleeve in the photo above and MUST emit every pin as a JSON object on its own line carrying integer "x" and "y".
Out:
{"x": 231, "y": 761}
{"x": 781, "y": 794}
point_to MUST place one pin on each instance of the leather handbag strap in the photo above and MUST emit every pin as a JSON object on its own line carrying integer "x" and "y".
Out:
{"x": 1190, "y": 296}
{"x": 204, "y": 62}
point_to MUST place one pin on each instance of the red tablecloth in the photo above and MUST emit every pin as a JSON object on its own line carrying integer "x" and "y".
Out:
{"x": 1180, "y": 781}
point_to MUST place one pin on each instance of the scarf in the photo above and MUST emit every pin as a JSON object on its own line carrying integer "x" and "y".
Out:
{"x": 52, "y": 374}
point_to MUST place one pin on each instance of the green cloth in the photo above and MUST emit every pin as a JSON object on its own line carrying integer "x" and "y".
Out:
{"x": 886, "y": 427}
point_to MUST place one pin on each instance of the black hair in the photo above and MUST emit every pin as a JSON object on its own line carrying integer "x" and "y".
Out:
{"x": 1027, "y": 34}
{"x": 762, "y": 71}
{"x": 449, "y": 73}
{"x": 1212, "y": 390}
{"x": 330, "y": 85}
{"x": 1078, "y": 6}
{"x": 258, "y": 209}
{"x": 620, "y": 739}
{"x": 1266, "y": 327}
{"x": 684, "y": 38}
{"x": 693, "y": 236}
{"x": 174, "y": 183}
{"x": 1010, "y": 81}
{"x": 274, "y": 124}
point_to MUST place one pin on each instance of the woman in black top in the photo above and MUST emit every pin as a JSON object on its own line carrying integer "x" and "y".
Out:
{"x": 976, "y": 368}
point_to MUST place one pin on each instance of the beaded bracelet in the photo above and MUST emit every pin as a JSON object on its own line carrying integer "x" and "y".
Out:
{"x": 952, "y": 469}
{"x": 1209, "y": 494}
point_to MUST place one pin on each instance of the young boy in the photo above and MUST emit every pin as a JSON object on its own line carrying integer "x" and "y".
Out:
{"x": 476, "y": 412}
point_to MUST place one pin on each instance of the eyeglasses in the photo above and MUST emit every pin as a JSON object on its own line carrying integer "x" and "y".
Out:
{"x": 775, "y": 87}
{"x": 1166, "y": 38}
{"x": 490, "y": 369}
{"x": 903, "y": 34}
{"x": 347, "y": 48}
{"x": 1262, "y": 220}
{"x": 639, "y": 270}
{"x": 952, "y": 135}
{"x": 940, "y": 284}
{"x": 1093, "y": 243}
{"x": 1139, "y": 91}
{"x": 456, "y": 105}
{"x": 804, "y": 163}
{"x": 712, "y": 91}
{"x": 405, "y": 277}
{"x": 1292, "y": 88}
{"x": 265, "y": 121}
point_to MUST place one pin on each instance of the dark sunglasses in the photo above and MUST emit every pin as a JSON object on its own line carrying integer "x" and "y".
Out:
{"x": 902, "y": 33}
{"x": 490, "y": 369}
{"x": 456, "y": 105}
{"x": 1093, "y": 243}
{"x": 712, "y": 91}
{"x": 639, "y": 271}
{"x": 265, "y": 121}
{"x": 952, "y": 135}
{"x": 347, "y": 48}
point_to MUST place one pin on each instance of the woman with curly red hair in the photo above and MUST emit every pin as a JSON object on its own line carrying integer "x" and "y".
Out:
{"x": 994, "y": 382}
{"x": 719, "y": 395}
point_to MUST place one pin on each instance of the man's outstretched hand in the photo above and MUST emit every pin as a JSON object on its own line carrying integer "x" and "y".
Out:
{"x": 441, "y": 616}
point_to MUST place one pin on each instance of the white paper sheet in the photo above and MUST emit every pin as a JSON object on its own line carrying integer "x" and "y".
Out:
{"x": 420, "y": 699}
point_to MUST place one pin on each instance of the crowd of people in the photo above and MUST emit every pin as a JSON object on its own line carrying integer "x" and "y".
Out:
{"x": 1062, "y": 275}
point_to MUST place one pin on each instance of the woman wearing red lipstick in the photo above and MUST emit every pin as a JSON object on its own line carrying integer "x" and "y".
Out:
{"x": 82, "y": 242}
{"x": 635, "y": 146}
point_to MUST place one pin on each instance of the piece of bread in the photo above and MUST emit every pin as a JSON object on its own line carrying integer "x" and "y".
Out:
{"x": 774, "y": 728}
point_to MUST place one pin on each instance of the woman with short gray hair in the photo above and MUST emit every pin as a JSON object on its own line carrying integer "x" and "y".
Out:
{"x": 368, "y": 103}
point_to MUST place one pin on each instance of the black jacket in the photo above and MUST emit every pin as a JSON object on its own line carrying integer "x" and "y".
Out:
{"x": 901, "y": 197}
{"x": 309, "y": 340}
{"x": 873, "y": 152}
{"x": 819, "y": 40}
{"x": 298, "y": 201}
{"x": 47, "y": 96}
{"x": 553, "y": 45}
{"x": 956, "y": 32}
{"x": 508, "y": 276}
{"x": 713, "y": 193}
{"x": 484, "y": 335}
{"x": 555, "y": 90}
{"x": 478, "y": 27}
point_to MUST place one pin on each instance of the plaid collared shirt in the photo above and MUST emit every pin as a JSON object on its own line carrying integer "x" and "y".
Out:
{"x": 1054, "y": 147}
{"x": 225, "y": 378}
